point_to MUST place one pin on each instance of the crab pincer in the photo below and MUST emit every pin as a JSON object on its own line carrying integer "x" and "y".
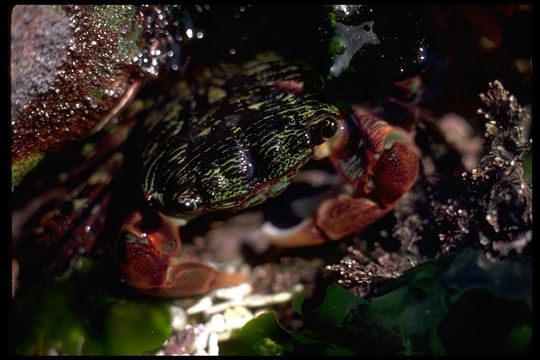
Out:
{"x": 151, "y": 260}
{"x": 378, "y": 165}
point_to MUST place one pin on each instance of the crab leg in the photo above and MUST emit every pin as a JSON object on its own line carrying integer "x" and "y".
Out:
{"x": 379, "y": 167}
{"x": 151, "y": 260}
{"x": 71, "y": 228}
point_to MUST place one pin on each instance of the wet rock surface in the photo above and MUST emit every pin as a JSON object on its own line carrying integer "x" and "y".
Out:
{"x": 70, "y": 68}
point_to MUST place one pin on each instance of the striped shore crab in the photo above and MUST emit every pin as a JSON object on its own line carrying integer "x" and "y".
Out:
{"x": 235, "y": 136}
{"x": 229, "y": 136}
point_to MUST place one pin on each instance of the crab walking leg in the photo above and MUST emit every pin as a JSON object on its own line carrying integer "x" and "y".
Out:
{"x": 370, "y": 157}
{"x": 151, "y": 261}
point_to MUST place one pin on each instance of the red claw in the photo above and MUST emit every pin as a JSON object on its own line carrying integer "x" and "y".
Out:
{"x": 379, "y": 166}
{"x": 395, "y": 173}
{"x": 340, "y": 217}
{"x": 150, "y": 259}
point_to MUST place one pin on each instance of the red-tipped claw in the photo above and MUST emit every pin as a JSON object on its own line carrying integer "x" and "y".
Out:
{"x": 379, "y": 166}
{"x": 151, "y": 261}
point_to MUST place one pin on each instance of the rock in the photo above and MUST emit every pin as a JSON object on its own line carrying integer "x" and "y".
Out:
{"x": 71, "y": 71}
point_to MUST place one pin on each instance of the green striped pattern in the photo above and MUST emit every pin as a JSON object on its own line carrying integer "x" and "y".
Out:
{"x": 236, "y": 150}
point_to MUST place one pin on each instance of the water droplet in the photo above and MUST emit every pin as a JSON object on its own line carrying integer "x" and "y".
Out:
{"x": 232, "y": 51}
{"x": 189, "y": 33}
{"x": 200, "y": 35}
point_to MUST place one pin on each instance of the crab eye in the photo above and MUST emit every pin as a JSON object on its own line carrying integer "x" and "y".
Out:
{"x": 329, "y": 128}
{"x": 324, "y": 130}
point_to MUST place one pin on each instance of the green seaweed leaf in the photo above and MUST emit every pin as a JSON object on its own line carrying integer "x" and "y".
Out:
{"x": 261, "y": 335}
{"x": 418, "y": 314}
{"x": 76, "y": 316}
{"x": 264, "y": 335}
{"x": 296, "y": 302}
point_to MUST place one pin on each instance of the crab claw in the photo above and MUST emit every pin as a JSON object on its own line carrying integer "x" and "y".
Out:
{"x": 149, "y": 253}
{"x": 380, "y": 167}
{"x": 372, "y": 158}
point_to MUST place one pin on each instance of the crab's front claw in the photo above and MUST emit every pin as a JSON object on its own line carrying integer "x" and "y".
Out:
{"x": 150, "y": 259}
{"x": 337, "y": 218}
{"x": 379, "y": 167}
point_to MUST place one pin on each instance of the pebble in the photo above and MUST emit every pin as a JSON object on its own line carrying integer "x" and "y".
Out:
{"x": 263, "y": 300}
{"x": 213, "y": 348}
{"x": 200, "y": 352}
{"x": 250, "y": 301}
{"x": 217, "y": 323}
{"x": 202, "y": 339}
{"x": 200, "y": 306}
{"x": 235, "y": 292}
{"x": 225, "y": 311}
{"x": 236, "y": 317}
{"x": 179, "y": 318}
